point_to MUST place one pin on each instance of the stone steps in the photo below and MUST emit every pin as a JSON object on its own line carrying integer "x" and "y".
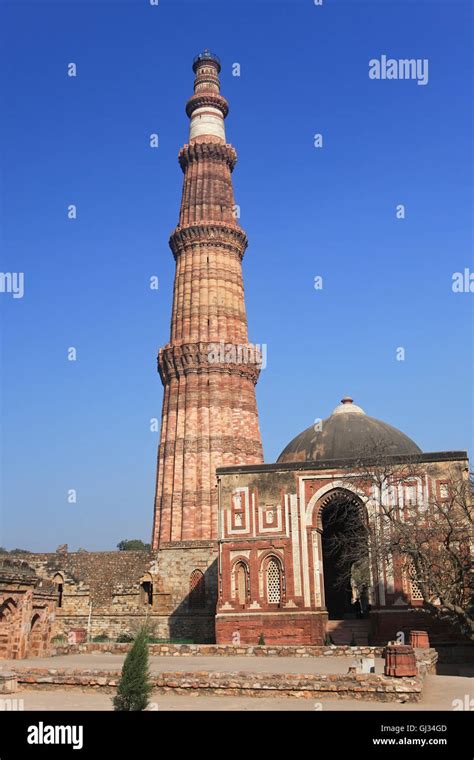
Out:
{"x": 346, "y": 631}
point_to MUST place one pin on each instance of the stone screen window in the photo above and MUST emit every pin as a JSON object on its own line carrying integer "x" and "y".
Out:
{"x": 197, "y": 590}
{"x": 273, "y": 582}
{"x": 414, "y": 587}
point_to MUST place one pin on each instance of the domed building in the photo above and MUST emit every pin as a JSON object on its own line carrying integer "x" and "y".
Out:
{"x": 285, "y": 569}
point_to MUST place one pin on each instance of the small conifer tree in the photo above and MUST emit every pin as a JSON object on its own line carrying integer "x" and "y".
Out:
{"x": 134, "y": 687}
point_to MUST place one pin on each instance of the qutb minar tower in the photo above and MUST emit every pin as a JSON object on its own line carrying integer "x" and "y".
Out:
{"x": 208, "y": 369}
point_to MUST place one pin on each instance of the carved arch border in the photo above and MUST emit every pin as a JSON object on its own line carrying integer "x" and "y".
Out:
{"x": 318, "y": 502}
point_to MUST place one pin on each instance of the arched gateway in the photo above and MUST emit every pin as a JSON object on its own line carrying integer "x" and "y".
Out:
{"x": 342, "y": 519}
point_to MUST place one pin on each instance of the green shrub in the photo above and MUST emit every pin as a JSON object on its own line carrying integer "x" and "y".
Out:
{"x": 124, "y": 638}
{"x": 59, "y": 639}
{"x": 157, "y": 640}
{"x": 101, "y": 637}
{"x": 134, "y": 687}
{"x": 261, "y": 640}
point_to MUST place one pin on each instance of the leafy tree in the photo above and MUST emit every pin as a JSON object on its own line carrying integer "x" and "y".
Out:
{"x": 133, "y": 545}
{"x": 431, "y": 541}
{"x": 134, "y": 687}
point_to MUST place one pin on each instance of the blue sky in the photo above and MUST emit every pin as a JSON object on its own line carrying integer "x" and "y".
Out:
{"x": 85, "y": 425}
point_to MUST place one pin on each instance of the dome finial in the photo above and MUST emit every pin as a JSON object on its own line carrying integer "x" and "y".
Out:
{"x": 347, "y": 406}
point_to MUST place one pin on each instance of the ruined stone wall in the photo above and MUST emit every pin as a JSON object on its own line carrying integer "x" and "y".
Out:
{"x": 103, "y": 593}
{"x": 27, "y": 611}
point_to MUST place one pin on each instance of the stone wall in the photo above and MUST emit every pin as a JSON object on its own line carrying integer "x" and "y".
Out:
{"x": 99, "y": 591}
{"x": 459, "y": 654}
{"x": 385, "y": 625}
{"x": 289, "y": 627}
{"x": 226, "y": 650}
{"x": 315, "y": 686}
{"x": 188, "y": 619}
{"x": 106, "y": 593}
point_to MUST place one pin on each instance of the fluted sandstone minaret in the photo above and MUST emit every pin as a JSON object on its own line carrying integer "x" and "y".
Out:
{"x": 208, "y": 369}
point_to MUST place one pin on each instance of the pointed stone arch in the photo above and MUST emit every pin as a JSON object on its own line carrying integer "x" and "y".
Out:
{"x": 146, "y": 589}
{"x": 58, "y": 580}
{"x": 36, "y": 635}
{"x": 8, "y": 608}
{"x": 328, "y": 494}
{"x": 197, "y": 590}
{"x": 336, "y": 496}
{"x": 241, "y": 581}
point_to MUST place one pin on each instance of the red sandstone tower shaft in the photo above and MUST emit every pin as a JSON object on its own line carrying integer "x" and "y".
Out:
{"x": 208, "y": 369}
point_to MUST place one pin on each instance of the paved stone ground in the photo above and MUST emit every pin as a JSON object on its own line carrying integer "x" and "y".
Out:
{"x": 455, "y": 682}
{"x": 103, "y": 661}
{"x": 439, "y": 693}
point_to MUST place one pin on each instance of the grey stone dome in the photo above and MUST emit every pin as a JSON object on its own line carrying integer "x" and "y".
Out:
{"x": 349, "y": 433}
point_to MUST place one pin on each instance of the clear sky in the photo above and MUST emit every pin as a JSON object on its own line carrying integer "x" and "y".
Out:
{"x": 330, "y": 211}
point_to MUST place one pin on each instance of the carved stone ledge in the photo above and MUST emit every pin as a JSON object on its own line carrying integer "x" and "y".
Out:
{"x": 207, "y": 151}
{"x": 211, "y": 234}
{"x": 204, "y": 98}
{"x": 207, "y": 357}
